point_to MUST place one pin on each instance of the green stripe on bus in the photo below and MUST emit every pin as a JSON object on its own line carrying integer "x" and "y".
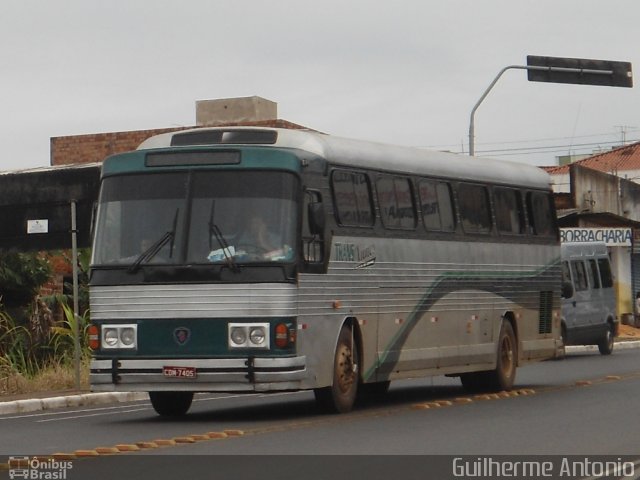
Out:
{"x": 419, "y": 310}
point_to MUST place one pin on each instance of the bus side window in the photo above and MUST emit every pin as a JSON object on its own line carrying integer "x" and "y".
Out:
{"x": 540, "y": 210}
{"x": 396, "y": 202}
{"x": 509, "y": 211}
{"x": 312, "y": 227}
{"x": 437, "y": 207}
{"x": 473, "y": 202}
{"x": 352, "y": 198}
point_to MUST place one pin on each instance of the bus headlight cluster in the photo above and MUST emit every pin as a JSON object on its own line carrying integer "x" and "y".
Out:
{"x": 124, "y": 337}
{"x": 249, "y": 335}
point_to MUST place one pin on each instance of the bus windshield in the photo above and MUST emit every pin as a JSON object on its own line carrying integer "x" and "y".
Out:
{"x": 196, "y": 217}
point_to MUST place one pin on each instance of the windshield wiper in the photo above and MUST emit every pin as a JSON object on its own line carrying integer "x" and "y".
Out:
{"x": 215, "y": 230}
{"x": 153, "y": 250}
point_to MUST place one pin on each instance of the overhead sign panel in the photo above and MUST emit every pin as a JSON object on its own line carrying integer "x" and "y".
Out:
{"x": 581, "y": 71}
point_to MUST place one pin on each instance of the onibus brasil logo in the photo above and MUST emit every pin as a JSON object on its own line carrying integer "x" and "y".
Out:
{"x": 38, "y": 469}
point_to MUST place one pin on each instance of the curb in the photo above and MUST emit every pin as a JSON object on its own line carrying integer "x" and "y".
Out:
{"x": 38, "y": 404}
{"x": 619, "y": 345}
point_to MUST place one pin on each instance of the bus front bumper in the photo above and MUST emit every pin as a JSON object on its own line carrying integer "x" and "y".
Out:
{"x": 249, "y": 374}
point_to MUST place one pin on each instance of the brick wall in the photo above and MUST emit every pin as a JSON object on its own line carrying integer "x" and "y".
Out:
{"x": 95, "y": 147}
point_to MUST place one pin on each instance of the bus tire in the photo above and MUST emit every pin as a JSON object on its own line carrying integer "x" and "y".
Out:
{"x": 171, "y": 404}
{"x": 605, "y": 345}
{"x": 504, "y": 375}
{"x": 341, "y": 395}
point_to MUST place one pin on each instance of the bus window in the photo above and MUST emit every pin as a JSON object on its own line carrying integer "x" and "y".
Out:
{"x": 473, "y": 202}
{"x": 605, "y": 273}
{"x": 509, "y": 212}
{"x": 540, "y": 210}
{"x": 352, "y": 198}
{"x": 312, "y": 242}
{"x": 437, "y": 209}
{"x": 594, "y": 278}
{"x": 579, "y": 275}
{"x": 396, "y": 202}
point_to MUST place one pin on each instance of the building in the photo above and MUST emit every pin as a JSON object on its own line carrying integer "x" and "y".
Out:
{"x": 599, "y": 198}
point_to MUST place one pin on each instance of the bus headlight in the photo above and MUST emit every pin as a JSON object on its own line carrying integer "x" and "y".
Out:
{"x": 257, "y": 335}
{"x": 238, "y": 336}
{"x": 119, "y": 337}
{"x": 249, "y": 335}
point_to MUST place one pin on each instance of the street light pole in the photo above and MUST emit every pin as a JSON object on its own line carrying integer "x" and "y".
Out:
{"x": 563, "y": 70}
{"x": 475, "y": 107}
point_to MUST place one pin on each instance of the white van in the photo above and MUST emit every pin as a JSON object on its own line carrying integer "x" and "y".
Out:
{"x": 588, "y": 298}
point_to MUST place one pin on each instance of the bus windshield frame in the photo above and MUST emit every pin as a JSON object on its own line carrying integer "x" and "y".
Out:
{"x": 196, "y": 217}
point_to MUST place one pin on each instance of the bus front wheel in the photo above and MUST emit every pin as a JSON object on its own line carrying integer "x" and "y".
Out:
{"x": 341, "y": 395}
{"x": 171, "y": 404}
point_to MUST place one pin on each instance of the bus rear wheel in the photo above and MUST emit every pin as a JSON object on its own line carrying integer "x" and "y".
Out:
{"x": 341, "y": 395}
{"x": 171, "y": 404}
{"x": 504, "y": 375}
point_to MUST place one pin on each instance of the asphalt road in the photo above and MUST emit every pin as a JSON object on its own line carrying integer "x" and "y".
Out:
{"x": 585, "y": 405}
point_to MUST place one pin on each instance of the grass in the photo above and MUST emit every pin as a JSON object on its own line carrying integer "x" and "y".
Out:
{"x": 51, "y": 378}
{"x": 37, "y": 355}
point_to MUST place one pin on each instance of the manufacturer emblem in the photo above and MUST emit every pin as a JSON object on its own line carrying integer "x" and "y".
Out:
{"x": 181, "y": 335}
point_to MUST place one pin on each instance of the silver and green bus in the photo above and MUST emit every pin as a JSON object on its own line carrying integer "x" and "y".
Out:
{"x": 258, "y": 260}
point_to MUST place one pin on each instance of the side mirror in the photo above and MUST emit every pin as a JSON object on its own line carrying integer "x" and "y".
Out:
{"x": 567, "y": 290}
{"x": 316, "y": 218}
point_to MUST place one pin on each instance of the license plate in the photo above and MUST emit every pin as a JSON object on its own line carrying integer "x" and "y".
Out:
{"x": 179, "y": 372}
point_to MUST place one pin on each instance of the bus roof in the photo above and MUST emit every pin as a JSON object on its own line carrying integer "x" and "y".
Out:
{"x": 363, "y": 154}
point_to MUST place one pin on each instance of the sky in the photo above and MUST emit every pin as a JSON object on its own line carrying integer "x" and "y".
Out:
{"x": 406, "y": 72}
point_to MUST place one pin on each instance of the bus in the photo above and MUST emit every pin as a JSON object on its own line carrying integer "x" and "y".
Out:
{"x": 252, "y": 259}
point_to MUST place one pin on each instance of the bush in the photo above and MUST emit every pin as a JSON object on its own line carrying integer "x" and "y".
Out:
{"x": 21, "y": 277}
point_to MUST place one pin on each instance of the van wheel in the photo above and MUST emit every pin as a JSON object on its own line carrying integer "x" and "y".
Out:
{"x": 606, "y": 344}
{"x": 504, "y": 375}
{"x": 171, "y": 404}
{"x": 341, "y": 395}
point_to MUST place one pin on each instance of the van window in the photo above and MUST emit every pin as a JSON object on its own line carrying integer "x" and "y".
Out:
{"x": 579, "y": 275}
{"x": 566, "y": 276}
{"x": 594, "y": 277}
{"x": 605, "y": 273}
